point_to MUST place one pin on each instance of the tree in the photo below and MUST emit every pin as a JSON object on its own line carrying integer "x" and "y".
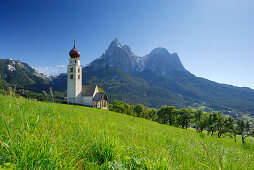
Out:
{"x": 138, "y": 110}
{"x": 197, "y": 120}
{"x": 243, "y": 129}
{"x": 128, "y": 109}
{"x": 224, "y": 125}
{"x": 252, "y": 132}
{"x": 197, "y": 116}
{"x": 118, "y": 106}
{"x": 110, "y": 107}
{"x": 234, "y": 131}
{"x": 166, "y": 114}
{"x": 145, "y": 112}
{"x": 152, "y": 114}
{"x": 212, "y": 122}
{"x": 219, "y": 125}
{"x": 202, "y": 123}
{"x": 184, "y": 117}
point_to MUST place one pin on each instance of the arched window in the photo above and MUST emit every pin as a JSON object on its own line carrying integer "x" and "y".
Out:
{"x": 71, "y": 76}
{"x": 78, "y": 76}
{"x": 71, "y": 69}
{"x": 75, "y": 61}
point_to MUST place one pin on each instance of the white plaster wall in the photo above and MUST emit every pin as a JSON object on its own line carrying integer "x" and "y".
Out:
{"x": 102, "y": 104}
{"x": 74, "y": 86}
{"x": 87, "y": 100}
{"x": 98, "y": 104}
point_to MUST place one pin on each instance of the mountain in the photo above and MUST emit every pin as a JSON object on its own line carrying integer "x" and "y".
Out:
{"x": 28, "y": 82}
{"x": 161, "y": 61}
{"x": 19, "y": 73}
{"x": 160, "y": 78}
{"x": 156, "y": 79}
{"x": 158, "y": 60}
{"x": 116, "y": 56}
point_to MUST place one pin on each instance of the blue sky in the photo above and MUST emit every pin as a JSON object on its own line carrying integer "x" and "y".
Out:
{"x": 214, "y": 38}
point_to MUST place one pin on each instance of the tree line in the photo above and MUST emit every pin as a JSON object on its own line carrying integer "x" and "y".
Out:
{"x": 48, "y": 96}
{"x": 214, "y": 123}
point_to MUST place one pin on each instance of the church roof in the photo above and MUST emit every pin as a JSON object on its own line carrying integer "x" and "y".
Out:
{"x": 100, "y": 96}
{"x": 88, "y": 90}
{"x": 74, "y": 53}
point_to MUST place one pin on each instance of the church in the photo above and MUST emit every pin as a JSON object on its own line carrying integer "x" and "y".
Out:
{"x": 91, "y": 95}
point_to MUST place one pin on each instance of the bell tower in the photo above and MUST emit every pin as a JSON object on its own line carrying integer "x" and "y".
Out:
{"x": 74, "y": 77}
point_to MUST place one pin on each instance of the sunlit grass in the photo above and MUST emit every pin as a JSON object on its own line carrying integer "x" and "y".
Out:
{"x": 47, "y": 135}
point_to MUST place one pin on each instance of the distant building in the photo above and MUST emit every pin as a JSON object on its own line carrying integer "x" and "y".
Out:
{"x": 91, "y": 95}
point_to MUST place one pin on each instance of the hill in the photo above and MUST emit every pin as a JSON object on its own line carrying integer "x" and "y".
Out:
{"x": 49, "y": 135}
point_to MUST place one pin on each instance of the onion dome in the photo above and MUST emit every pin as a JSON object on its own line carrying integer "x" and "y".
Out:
{"x": 74, "y": 53}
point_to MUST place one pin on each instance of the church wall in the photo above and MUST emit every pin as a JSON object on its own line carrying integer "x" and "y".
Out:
{"x": 98, "y": 104}
{"x": 95, "y": 91}
{"x": 87, "y": 100}
{"x": 74, "y": 81}
{"x": 104, "y": 104}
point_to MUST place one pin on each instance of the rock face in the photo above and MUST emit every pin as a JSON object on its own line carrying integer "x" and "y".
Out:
{"x": 161, "y": 61}
{"x": 158, "y": 60}
{"x": 120, "y": 56}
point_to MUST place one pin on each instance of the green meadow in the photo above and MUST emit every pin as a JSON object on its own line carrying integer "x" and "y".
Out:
{"x": 55, "y": 136}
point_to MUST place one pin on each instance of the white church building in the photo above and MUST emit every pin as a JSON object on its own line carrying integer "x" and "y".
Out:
{"x": 90, "y": 95}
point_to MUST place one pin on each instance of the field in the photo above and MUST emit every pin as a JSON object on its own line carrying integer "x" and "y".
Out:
{"x": 47, "y": 135}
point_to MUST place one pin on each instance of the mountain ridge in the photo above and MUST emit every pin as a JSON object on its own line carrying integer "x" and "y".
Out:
{"x": 121, "y": 56}
{"x": 17, "y": 72}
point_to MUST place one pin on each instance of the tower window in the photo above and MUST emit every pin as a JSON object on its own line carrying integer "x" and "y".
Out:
{"x": 78, "y": 76}
{"x": 71, "y": 76}
{"x": 78, "y": 70}
{"x": 75, "y": 61}
{"x": 71, "y": 69}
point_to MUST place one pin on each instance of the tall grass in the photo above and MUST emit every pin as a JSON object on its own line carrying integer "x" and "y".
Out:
{"x": 48, "y": 135}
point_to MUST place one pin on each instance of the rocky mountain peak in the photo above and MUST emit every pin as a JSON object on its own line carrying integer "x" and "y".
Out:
{"x": 115, "y": 43}
{"x": 160, "y": 51}
{"x": 119, "y": 56}
{"x": 127, "y": 49}
{"x": 161, "y": 61}
{"x": 158, "y": 60}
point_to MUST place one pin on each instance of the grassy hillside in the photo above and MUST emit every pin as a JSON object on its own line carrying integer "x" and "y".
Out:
{"x": 35, "y": 134}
